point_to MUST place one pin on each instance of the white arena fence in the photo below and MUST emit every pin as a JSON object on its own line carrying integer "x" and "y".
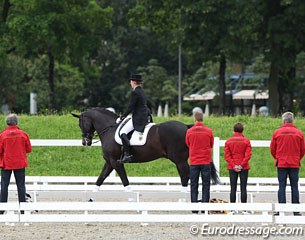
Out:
{"x": 144, "y": 212}
{"x": 65, "y": 199}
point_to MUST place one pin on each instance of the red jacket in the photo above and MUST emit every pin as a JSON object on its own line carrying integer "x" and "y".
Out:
{"x": 200, "y": 141}
{"x": 287, "y": 146}
{"x": 14, "y": 145}
{"x": 238, "y": 151}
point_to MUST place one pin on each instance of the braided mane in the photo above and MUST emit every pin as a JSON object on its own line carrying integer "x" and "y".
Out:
{"x": 104, "y": 111}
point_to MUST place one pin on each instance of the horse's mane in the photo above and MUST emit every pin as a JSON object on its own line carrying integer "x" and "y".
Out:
{"x": 104, "y": 111}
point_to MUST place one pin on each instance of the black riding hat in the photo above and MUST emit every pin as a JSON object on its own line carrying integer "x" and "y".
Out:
{"x": 136, "y": 77}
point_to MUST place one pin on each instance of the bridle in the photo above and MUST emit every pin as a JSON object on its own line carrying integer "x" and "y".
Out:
{"x": 87, "y": 137}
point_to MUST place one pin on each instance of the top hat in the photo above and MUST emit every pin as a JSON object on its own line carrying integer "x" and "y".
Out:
{"x": 136, "y": 77}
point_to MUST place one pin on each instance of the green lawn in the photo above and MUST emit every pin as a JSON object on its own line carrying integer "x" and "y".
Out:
{"x": 88, "y": 161}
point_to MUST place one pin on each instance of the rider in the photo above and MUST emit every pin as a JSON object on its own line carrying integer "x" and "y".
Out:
{"x": 140, "y": 113}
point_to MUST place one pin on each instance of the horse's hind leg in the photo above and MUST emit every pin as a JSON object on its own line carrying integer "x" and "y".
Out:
{"x": 107, "y": 169}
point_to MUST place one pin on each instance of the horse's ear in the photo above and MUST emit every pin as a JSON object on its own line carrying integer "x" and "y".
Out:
{"x": 75, "y": 115}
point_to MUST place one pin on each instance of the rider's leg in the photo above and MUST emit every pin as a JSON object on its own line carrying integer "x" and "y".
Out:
{"x": 127, "y": 128}
{"x": 126, "y": 156}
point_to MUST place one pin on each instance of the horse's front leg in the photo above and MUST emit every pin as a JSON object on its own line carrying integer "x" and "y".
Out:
{"x": 120, "y": 169}
{"x": 107, "y": 169}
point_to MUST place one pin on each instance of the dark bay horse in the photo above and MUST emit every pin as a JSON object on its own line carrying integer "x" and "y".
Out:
{"x": 164, "y": 140}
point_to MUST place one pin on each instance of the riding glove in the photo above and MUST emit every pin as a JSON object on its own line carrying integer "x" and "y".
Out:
{"x": 118, "y": 120}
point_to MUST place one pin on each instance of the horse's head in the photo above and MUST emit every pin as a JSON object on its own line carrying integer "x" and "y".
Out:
{"x": 87, "y": 128}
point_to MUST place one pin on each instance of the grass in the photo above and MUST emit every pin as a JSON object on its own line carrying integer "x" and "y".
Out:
{"x": 88, "y": 161}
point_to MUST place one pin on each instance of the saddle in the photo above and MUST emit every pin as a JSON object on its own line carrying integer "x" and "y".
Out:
{"x": 136, "y": 138}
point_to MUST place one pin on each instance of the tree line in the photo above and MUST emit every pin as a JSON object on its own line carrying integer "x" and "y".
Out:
{"x": 77, "y": 54}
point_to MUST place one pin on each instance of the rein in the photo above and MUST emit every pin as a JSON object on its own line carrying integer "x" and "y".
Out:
{"x": 102, "y": 132}
{"x": 95, "y": 135}
{"x": 106, "y": 129}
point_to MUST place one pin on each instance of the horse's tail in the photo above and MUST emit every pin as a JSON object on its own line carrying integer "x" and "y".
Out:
{"x": 189, "y": 125}
{"x": 214, "y": 174}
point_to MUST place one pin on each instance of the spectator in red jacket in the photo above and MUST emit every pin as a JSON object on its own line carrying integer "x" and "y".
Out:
{"x": 200, "y": 141}
{"x": 288, "y": 148}
{"x": 238, "y": 152}
{"x": 14, "y": 145}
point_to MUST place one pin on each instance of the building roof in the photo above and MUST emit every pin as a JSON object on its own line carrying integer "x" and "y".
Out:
{"x": 200, "y": 97}
{"x": 243, "y": 94}
{"x": 251, "y": 94}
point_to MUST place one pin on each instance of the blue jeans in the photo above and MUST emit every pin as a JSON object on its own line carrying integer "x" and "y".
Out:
{"x": 293, "y": 174}
{"x": 20, "y": 182}
{"x": 205, "y": 170}
{"x": 243, "y": 175}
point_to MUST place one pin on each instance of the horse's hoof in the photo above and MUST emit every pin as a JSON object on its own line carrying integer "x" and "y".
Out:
{"x": 96, "y": 188}
{"x": 184, "y": 189}
{"x": 128, "y": 188}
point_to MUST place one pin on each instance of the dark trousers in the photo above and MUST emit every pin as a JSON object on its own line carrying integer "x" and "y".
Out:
{"x": 293, "y": 174}
{"x": 243, "y": 175}
{"x": 20, "y": 182}
{"x": 205, "y": 170}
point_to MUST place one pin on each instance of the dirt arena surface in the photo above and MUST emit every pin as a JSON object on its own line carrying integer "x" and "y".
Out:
{"x": 136, "y": 231}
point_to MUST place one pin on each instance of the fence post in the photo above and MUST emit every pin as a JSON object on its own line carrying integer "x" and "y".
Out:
{"x": 216, "y": 154}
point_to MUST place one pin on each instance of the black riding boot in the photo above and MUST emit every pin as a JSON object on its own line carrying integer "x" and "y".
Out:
{"x": 126, "y": 156}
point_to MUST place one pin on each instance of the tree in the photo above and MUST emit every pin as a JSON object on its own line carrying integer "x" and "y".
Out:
{"x": 207, "y": 30}
{"x": 156, "y": 77}
{"x": 123, "y": 49}
{"x": 282, "y": 39}
{"x": 63, "y": 30}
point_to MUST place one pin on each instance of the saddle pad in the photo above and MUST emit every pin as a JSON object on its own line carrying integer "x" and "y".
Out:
{"x": 136, "y": 138}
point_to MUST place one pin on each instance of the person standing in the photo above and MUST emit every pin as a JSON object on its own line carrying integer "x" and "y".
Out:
{"x": 200, "y": 141}
{"x": 14, "y": 146}
{"x": 238, "y": 153}
{"x": 140, "y": 115}
{"x": 288, "y": 148}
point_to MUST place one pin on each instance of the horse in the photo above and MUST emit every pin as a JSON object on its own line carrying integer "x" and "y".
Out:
{"x": 164, "y": 140}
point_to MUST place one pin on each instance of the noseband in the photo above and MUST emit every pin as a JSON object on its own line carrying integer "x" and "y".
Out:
{"x": 87, "y": 137}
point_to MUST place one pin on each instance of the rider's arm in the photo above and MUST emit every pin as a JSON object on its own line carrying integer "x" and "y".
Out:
{"x": 131, "y": 105}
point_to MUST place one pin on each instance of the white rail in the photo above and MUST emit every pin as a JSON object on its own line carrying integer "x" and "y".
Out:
{"x": 169, "y": 184}
{"x": 151, "y": 212}
{"x": 134, "y": 212}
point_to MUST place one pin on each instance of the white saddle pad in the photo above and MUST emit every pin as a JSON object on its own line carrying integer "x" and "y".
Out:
{"x": 136, "y": 139}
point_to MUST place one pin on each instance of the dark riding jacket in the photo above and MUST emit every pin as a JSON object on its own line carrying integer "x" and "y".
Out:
{"x": 138, "y": 108}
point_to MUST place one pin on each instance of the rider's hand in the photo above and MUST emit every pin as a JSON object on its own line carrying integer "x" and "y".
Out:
{"x": 118, "y": 120}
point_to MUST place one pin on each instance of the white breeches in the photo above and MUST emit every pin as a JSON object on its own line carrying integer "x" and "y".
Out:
{"x": 128, "y": 127}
